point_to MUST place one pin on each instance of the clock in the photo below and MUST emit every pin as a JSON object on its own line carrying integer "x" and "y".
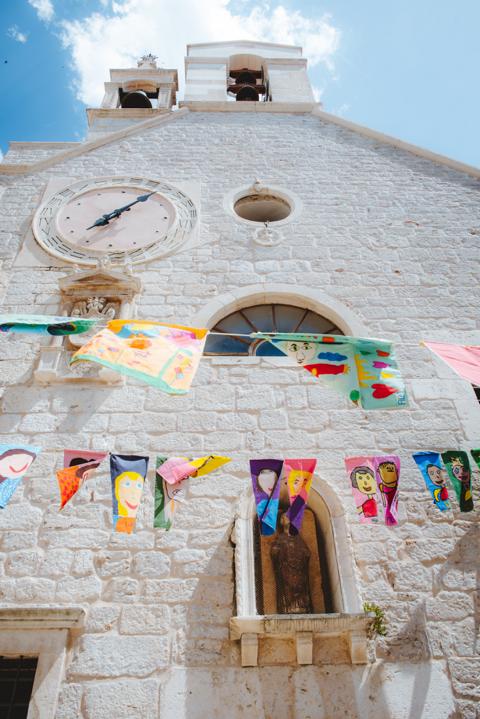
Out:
{"x": 114, "y": 218}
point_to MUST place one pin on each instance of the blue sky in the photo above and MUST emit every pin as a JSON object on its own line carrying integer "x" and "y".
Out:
{"x": 407, "y": 69}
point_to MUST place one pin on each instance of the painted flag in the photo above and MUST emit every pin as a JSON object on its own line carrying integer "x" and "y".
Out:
{"x": 365, "y": 370}
{"x": 165, "y": 356}
{"x": 433, "y": 473}
{"x": 128, "y": 473}
{"x": 387, "y": 474}
{"x": 476, "y": 456}
{"x": 45, "y": 325}
{"x": 299, "y": 474}
{"x": 175, "y": 469}
{"x": 361, "y": 473}
{"x": 79, "y": 465}
{"x": 15, "y": 460}
{"x": 266, "y": 475}
{"x": 166, "y": 497}
{"x": 460, "y": 474}
{"x": 463, "y": 359}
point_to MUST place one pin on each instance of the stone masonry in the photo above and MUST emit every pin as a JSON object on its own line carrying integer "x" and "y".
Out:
{"x": 388, "y": 235}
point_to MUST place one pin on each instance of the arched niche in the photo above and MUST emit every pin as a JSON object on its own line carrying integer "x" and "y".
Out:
{"x": 344, "y": 617}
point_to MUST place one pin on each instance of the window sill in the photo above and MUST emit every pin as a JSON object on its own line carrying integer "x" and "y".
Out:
{"x": 302, "y": 628}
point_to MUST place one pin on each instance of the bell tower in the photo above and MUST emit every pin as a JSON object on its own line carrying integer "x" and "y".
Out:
{"x": 246, "y": 72}
{"x": 134, "y": 94}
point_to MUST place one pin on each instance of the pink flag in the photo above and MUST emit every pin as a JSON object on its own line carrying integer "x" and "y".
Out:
{"x": 463, "y": 359}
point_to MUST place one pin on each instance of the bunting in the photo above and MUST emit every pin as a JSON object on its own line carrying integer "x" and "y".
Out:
{"x": 45, "y": 325}
{"x": 165, "y": 356}
{"x": 299, "y": 475}
{"x": 79, "y": 465}
{"x": 365, "y": 370}
{"x": 430, "y": 466}
{"x": 387, "y": 475}
{"x": 128, "y": 473}
{"x": 361, "y": 472}
{"x": 463, "y": 359}
{"x": 266, "y": 475}
{"x": 15, "y": 460}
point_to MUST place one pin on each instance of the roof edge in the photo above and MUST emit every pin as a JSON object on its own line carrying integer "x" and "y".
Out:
{"x": 83, "y": 147}
{"x": 399, "y": 144}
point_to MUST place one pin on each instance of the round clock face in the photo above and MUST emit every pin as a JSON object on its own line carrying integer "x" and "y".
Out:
{"x": 116, "y": 218}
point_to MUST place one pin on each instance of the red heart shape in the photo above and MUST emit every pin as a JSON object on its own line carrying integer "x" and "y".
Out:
{"x": 380, "y": 391}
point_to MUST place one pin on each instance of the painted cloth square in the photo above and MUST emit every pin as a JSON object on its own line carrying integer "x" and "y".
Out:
{"x": 387, "y": 474}
{"x": 361, "y": 473}
{"x": 299, "y": 475}
{"x": 476, "y": 456}
{"x": 165, "y": 356}
{"x": 266, "y": 482}
{"x": 460, "y": 474}
{"x": 79, "y": 465}
{"x": 128, "y": 473}
{"x": 15, "y": 461}
{"x": 45, "y": 325}
{"x": 175, "y": 469}
{"x": 166, "y": 497}
{"x": 433, "y": 473}
{"x": 365, "y": 370}
{"x": 463, "y": 359}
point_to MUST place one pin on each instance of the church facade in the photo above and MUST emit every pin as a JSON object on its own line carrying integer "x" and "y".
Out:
{"x": 262, "y": 213}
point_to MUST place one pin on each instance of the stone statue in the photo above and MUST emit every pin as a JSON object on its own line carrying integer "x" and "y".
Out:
{"x": 290, "y": 557}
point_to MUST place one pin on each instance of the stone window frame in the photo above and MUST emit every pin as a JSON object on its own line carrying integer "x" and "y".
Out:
{"x": 41, "y": 632}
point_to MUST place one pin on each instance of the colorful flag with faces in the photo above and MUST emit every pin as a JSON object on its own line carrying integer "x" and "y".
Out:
{"x": 365, "y": 370}
{"x": 476, "y": 456}
{"x": 433, "y": 473}
{"x": 463, "y": 359}
{"x": 299, "y": 475}
{"x": 361, "y": 472}
{"x": 166, "y": 497}
{"x": 15, "y": 460}
{"x": 79, "y": 465}
{"x": 128, "y": 473}
{"x": 266, "y": 475}
{"x": 387, "y": 474}
{"x": 175, "y": 469}
{"x": 165, "y": 356}
{"x": 45, "y": 325}
{"x": 460, "y": 474}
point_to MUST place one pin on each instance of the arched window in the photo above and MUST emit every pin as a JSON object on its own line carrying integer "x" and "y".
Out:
{"x": 271, "y": 317}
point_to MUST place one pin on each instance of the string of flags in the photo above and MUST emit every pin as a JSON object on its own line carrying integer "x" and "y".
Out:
{"x": 374, "y": 481}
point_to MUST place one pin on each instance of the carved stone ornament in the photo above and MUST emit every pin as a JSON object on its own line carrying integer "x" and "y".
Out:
{"x": 105, "y": 294}
{"x": 266, "y": 236}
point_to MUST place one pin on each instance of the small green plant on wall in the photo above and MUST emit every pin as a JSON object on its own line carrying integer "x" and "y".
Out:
{"x": 379, "y": 624}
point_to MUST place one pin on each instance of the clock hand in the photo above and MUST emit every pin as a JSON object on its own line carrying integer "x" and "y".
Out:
{"x": 105, "y": 219}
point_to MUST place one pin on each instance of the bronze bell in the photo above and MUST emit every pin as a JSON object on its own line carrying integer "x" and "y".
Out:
{"x": 247, "y": 93}
{"x": 136, "y": 99}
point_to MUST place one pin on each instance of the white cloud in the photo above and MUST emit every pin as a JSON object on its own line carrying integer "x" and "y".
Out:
{"x": 133, "y": 27}
{"x": 15, "y": 34}
{"x": 44, "y": 9}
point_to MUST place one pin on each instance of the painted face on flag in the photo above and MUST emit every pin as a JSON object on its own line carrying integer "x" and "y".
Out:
{"x": 297, "y": 480}
{"x": 128, "y": 490}
{"x": 436, "y": 475}
{"x": 303, "y": 352}
{"x": 388, "y": 473}
{"x": 363, "y": 480}
{"x": 266, "y": 481}
{"x": 15, "y": 462}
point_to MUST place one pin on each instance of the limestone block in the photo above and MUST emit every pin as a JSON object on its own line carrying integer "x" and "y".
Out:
{"x": 109, "y": 564}
{"x": 20, "y": 517}
{"x": 145, "y": 620}
{"x": 23, "y": 563}
{"x": 151, "y": 564}
{"x": 137, "y": 540}
{"x": 111, "y": 656}
{"x": 449, "y": 605}
{"x": 131, "y": 699}
{"x": 69, "y": 701}
{"x": 56, "y": 563}
{"x": 76, "y": 539}
{"x": 34, "y": 590}
{"x": 121, "y": 589}
{"x": 12, "y": 541}
{"x": 101, "y": 619}
{"x": 170, "y": 590}
{"x": 83, "y": 563}
{"x": 465, "y": 672}
{"x": 78, "y": 590}
{"x": 173, "y": 539}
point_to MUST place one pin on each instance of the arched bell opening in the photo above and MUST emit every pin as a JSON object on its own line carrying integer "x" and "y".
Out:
{"x": 246, "y": 79}
{"x": 137, "y": 99}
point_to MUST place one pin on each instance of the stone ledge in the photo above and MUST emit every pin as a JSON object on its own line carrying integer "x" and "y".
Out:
{"x": 46, "y": 617}
{"x": 302, "y": 628}
{"x": 230, "y": 106}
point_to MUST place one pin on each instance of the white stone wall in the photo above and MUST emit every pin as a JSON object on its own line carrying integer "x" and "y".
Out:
{"x": 386, "y": 235}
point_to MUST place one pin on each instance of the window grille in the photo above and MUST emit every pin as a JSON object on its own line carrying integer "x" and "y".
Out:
{"x": 16, "y": 682}
{"x": 265, "y": 318}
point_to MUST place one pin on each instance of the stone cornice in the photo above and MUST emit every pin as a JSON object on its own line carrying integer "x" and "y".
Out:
{"x": 46, "y": 617}
{"x": 84, "y": 147}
